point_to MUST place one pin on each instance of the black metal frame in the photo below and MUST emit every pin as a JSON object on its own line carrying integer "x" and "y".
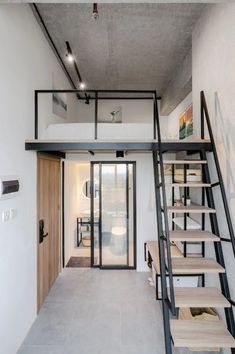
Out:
{"x": 62, "y": 212}
{"x": 218, "y": 251}
{"x": 80, "y": 92}
{"x": 80, "y": 224}
{"x": 168, "y": 303}
{"x": 127, "y": 212}
{"x": 205, "y": 115}
{"x": 100, "y": 163}
{"x": 213, "y": 218}
{"x": 113, "y": 146}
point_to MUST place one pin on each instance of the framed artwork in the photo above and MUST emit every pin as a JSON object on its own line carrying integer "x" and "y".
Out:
{"x": 110, "y": 115}
{"x": 59, "y": 104}
{"x": 59, "y": 99}
{"x": 186, "y": 123}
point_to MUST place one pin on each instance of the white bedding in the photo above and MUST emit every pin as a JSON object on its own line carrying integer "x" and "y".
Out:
{"x": 110, "y": 131}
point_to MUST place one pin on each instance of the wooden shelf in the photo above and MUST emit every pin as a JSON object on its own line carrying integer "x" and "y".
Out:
{"x": 189, "y": 185}
{"x": 152, "y": 247}
{"x": 193, "y": 236}
{"x": 196, "y": 266}
{"x": 200, "y": 297}
{"x": 196, "y": 209}
{"x": 184, "y": 162}
{"x": 181, "y": 265}
{"x": 201, "y": 334}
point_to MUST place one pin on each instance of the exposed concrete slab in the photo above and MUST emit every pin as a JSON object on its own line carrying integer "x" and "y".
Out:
{"x": 179, "y": 86}
{"x": 120, "y": 1}
{"x": 130, "y": 46}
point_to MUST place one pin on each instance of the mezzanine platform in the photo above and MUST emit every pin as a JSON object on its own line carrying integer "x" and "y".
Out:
{"x": 114, "y": 145}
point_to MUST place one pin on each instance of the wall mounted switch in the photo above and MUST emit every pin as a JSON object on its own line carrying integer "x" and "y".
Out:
{"x": 13, "y": 213}
{"x": 5, "y": 216}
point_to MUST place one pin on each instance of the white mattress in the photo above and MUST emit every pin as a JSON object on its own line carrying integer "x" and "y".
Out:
{"x": 106, "y": 131}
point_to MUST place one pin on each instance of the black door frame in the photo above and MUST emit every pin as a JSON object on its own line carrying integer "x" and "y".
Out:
{"x": 92, "y": 164}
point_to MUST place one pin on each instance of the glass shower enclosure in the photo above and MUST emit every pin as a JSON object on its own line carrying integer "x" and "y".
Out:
{"x": 113, "y": 215}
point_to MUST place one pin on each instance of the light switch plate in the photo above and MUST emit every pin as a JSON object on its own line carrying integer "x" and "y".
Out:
{"x": 5, "y": 216}
{"x": 13, "y": 213}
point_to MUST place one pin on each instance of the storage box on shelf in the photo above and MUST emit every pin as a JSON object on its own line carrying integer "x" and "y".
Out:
{"x": 178, "y": 280}
{"x": 192, "y": 175}
{"x": 199, "y": 314}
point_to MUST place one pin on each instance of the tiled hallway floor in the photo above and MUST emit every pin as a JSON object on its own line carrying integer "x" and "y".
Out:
{"x": 91, "y": 311}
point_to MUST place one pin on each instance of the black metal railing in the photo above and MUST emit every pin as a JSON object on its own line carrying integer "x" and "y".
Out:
{"x": 167, "y": 288}
{"x": 205, "y": 117}
{"x": 98, "y": 95}
{"x": 168, "y": 298}
{"x": 213, "y": 218}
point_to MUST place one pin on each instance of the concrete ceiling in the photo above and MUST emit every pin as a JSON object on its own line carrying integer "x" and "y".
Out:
{"x": 130, "y": 46}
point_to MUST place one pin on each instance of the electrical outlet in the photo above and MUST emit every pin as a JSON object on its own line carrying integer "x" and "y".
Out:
{"x": 5, "y": 216}
{"x": 13, "y": 213}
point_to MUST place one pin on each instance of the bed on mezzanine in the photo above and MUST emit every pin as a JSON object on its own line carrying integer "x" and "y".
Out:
{"x": 109, "y": 132}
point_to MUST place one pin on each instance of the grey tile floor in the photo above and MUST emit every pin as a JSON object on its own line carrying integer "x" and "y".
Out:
{"x": 92, "y": 311}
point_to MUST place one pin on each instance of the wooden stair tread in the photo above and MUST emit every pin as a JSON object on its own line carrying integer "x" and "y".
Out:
{"x": 181, "y": 265}
{"x": 199, "y": 297}
{"x": 193, "y": 236}
{"x": 182, "y": 162}
{"x": 188, "y": 184}
{"x": 201, "y": 334}
{"x": 152, "y": 247}
{"x": 195, "y": 266}
{"x": 190, "y": 209}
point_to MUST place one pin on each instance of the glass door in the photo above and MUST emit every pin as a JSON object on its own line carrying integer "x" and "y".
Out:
{"x": 113, "y": 215}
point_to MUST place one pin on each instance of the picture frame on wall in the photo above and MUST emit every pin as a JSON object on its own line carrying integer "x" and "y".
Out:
{"x": 110, "y": 115}
{"x": 186, "y": 123}
{"x": 59, "y": 104}
{"x": 59, "y": 100}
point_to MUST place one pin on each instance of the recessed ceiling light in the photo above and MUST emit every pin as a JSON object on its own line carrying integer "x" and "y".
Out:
{"x": 82, "y": 85}
{"x": 70, "y": 57}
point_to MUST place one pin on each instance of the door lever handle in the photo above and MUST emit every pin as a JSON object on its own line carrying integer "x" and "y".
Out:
{"x": 41, "y": 231}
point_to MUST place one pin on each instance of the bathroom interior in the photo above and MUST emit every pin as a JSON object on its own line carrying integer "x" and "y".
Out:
{"x": 99, "y": 214}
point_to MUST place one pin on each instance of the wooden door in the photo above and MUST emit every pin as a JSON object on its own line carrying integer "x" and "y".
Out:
{"x": 48, "y": 214}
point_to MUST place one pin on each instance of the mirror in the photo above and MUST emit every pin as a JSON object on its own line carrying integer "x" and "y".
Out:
{"x": 86, "y": 189}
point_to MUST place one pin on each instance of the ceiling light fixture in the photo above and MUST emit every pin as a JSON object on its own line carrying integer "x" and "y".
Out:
{"x": 87, "y": 100}
{"x": 69, "y": 54}
{"x": 70, "y": 57}
{"x": 95, "y": 14}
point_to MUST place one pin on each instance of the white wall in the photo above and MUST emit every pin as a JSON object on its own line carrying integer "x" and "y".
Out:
{"x": 146, "y": 212}
{"x": 133, "y": 111}
{"x": 45, "y": 106}
{"x": 173, "y": 118}
{"x": 75, "y": 202}
{"x": 26, "y": 63}
{"x": 213, "y": 71}
{"x": 70, "y": 206}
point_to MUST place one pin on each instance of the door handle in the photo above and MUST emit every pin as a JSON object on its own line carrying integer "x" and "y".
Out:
{"x": 41, "y": 231}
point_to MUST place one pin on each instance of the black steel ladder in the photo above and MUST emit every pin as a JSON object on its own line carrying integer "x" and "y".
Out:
{"x": 164, "y": 243}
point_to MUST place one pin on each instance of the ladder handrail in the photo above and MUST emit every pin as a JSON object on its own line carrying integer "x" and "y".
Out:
{"x": 166, "y": 237}
{"x": 205, "y": 116}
